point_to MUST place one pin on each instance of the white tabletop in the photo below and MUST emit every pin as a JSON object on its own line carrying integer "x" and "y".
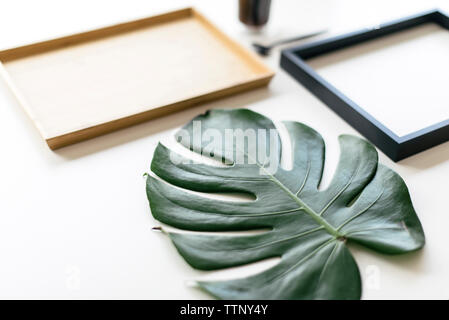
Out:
{"x": 75, "y": 223}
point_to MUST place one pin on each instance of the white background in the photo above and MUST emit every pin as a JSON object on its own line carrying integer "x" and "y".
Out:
{"x": 75, "y": 223}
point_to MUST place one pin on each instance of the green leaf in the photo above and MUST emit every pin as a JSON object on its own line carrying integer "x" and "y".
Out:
{"x": 365, "y": 203}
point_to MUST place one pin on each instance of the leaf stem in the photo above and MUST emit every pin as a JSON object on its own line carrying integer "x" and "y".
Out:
{"x": 309, "y": 210}
{"x": 315, "y": 216}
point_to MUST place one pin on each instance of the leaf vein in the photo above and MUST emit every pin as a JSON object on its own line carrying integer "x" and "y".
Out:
{"x": 360, "y": 213}
{"x": 305, "y": 179}
{"x": 341, "y": 191}
{"x": 327, "y": 263}
{"x": 282, "y": 274}
{"x": 236, "y": 215}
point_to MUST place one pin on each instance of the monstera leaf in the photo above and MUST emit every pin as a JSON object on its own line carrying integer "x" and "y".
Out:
{"x": 308, "y": 228}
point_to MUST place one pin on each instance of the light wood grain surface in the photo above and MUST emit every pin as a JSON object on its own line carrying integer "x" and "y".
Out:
{"x": 87, "y": 84}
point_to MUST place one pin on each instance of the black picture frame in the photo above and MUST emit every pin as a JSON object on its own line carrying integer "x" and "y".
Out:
{"x": 395, "y": 147}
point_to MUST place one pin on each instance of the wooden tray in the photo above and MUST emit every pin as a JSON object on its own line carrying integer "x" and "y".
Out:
{"x": 84, "y": 85}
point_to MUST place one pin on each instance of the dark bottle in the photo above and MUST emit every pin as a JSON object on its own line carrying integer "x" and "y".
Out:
{"x": 254, "y": 13}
